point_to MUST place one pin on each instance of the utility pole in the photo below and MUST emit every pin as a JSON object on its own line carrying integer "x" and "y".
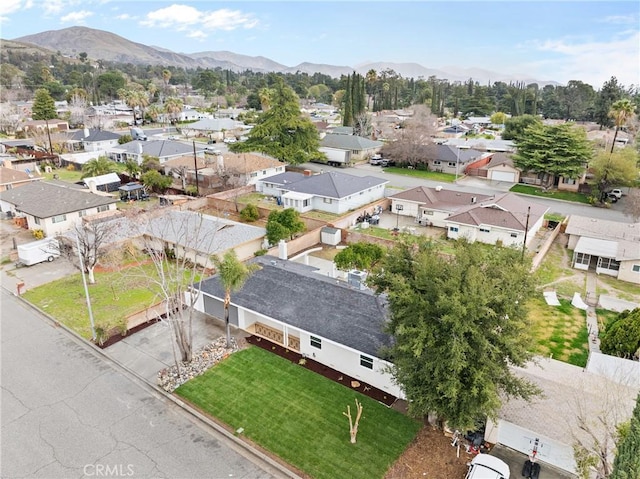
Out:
{"x": 526, "y": 230}
{"x": 195, "y": 164}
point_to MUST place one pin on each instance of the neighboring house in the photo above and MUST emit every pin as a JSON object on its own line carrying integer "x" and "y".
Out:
{"x": 44, "y": 125}
{"x": 333, "y": 192}
{"x": 175, "y": 230}
{"x": 107, "y": 183}
{"x": 432, "y": 206}
{"x": 507, "y": 219}
{"x": 54, "y": 207}
{"x": 606, "y": 247}
{"x": 360, "y": 148}
{"x": 552, "y": 418}
{"x": 222, "y": 170}
{"x": 10, "y": 178}
{"x": 480, "y": 144}
{"x": 93, "y": 140}
{"x": 162, "y": 149}
{"x": 208, "y": 126}
{"x": 494, "y": 167}
{"x": 331, "y": 322}
{"x": 449, "y": 159}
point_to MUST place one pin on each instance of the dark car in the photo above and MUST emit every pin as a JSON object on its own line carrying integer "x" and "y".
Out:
{"x": 388, "y": 163}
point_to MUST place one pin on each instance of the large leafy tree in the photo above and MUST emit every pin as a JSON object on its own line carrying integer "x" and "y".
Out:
{"x": 459, "y": 324}
{"x": 44, "y": 106}
{"x": 617, "y": 168}
{"x": 233, "y": 274}
{"x": 281, "y": 131}
{"x": 610, "y": 92}
{"x": 514, "y": 127}
{"x": 627, "y": 462}
{"x": 283, "y": 224}
{"x": 359, "y": 255}
{"x": 553, "y": 150}
{"x": 622, "y": 335}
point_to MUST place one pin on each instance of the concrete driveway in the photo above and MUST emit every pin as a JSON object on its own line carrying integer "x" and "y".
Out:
{"x": 515, "y": 460}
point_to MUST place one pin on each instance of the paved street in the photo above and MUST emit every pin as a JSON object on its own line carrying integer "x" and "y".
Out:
{"x": 67, "y": 411}
{"x": 472, "y": 185}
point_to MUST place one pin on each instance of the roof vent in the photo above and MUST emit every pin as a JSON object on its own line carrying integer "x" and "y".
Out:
{"x": 438, "y": 188}
{"x": 273, "y": 262}
{"x": 473, "y": 199}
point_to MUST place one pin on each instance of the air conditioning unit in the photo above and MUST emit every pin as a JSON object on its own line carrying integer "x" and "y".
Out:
{"x": 356, "y": 279}
{"x": 438, "y": 188}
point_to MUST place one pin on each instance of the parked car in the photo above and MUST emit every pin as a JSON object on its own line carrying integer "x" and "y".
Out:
{"x": 616, "y": 192}
{"x": 230, "y": 140}
{"x": 484, "y": 466}
{"x": 386, "y": 162}
{"x": 376, "y": 160}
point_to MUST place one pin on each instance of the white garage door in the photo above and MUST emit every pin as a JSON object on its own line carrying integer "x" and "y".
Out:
{"x": 523, "y": 440}
{"x": 503, "y": 176}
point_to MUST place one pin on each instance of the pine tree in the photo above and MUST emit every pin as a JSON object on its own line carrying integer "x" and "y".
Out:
{"x": 627, "y": 462}
{"x": 44, "y": 107}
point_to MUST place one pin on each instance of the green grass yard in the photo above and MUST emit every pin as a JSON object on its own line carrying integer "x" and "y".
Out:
{"x": 553, "y": 194}
{"x": 297, "y": 415}
{"x": 429, "y": 175}
{"x": 114, "y": 296}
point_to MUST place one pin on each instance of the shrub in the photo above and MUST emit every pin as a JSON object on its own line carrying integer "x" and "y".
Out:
{"x": 250, "y": 213}
{"x": 70, "y": 167}
{"x": 260, "y": 252}
{"x": 38, "y": 234}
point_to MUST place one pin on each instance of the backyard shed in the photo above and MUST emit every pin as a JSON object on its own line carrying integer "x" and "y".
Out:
{"x": 132, "y": 191}
{"x": 108, "y": 183}
{"x": 330, "y": 236}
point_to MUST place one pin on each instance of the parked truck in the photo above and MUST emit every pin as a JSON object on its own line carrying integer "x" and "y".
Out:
{"x": 39, "y": 251}
{"x": 138, "y": 134}
{"x": 336, "y": 157}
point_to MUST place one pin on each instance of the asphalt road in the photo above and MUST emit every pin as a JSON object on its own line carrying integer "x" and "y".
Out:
{"x": 69, "y": 412}
{"x": 566, "y": 208}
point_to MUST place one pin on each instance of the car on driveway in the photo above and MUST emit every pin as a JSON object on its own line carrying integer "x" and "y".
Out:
{"x": 484, "y": 466}
{"x": 376, "y": 160}
{"x": 615, "y": 192}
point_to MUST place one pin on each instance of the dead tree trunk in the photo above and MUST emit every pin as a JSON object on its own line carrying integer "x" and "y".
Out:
{"x": 353, "y": 426}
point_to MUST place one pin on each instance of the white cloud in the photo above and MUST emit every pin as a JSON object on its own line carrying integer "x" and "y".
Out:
{"x": 76, "y": 17}
{"x": 630, "y": 19}
{"x": 12, "y": 6}
{"x": 124, "y": 16}
{"x": 591, "y": 61}
{"x": 197, "y": 35}
{"x": 184, "y": 17}
{"x": 53, "y": 6}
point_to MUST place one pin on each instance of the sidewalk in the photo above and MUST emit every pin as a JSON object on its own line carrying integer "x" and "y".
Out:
{"x": 591, "y": 298}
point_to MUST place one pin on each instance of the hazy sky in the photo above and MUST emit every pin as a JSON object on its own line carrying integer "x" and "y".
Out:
{"x": 559, "y": 40}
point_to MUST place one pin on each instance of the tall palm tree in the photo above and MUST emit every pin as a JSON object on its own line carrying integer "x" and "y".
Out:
{"x": 621, "y": 111}
{"x": 173, "y": 106}
{"x": 98, "y": 166}
{"x": 233, "y": 273}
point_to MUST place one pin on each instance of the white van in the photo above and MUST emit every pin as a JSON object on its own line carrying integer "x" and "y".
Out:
{"x": 484, "y": 466}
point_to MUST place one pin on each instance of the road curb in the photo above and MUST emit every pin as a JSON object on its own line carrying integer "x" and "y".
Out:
{"x": 242, "y": 447}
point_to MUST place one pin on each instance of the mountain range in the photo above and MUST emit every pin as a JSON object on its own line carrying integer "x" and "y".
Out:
{"x": 103, "y": 45}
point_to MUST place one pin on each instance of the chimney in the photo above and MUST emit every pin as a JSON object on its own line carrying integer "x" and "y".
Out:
{"x": 92, "y": 186}
{"x": 85, "y": 132}
{"x": 307, "y": 172}
{"x": 282, "y": 249}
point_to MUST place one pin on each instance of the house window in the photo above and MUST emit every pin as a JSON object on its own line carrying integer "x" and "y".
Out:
{"x": 82, "y": 213}
{"x": 305, "y": 203}
{"x": 636, "y": 268}
{"x": 428, "y": 213}
{"x": 514, "y": 235}
{"x": 437, "y": 162}
{"x": 36, "y": 220}
{"x": 59, "y": 219}
{"x": 569, "y": 181}
{"x": 253, "y": 175}
{"x": 328, "y": 201}
{"x": 452, "y": 164}
{"x": 264, "y": 172}
{"x": 366, "y": 362}
{"x": 103, "y": 208}
{"x": 583, "y": 258}
{"x": 280, "y": 168}
{"x": 453, "y": 229}
{"x": 484, "y": 229}
{"x": 361, "y": 193}
{"x": 316, "y": 342}
{"x": 609, "y": 263}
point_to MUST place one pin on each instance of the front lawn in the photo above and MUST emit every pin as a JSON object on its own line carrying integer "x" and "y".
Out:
{"x": 114, "y": 296}
{"x": 427, "y": 175}
{"x": 552, "y": 194}
{"x": 297, "y": 415}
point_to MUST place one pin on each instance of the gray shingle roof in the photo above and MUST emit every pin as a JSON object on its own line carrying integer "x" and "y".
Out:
{"x": 94, "y": 135}
{"x": 294, "y": 294}
{"x": 158, "y": 148}
{"x": 283, "y": 178}
{"x": 443, "y": 200}
{"x": 45, "y": 199}
{"x": 349, "y": 142}
{"x": 334, "y": 184}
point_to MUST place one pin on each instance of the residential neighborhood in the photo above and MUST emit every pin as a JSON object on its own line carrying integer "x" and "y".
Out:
{"x": 219, "y": 270}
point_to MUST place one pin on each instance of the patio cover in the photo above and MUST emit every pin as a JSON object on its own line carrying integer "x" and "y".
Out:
{"x": 294, "y": 195}
{"x": 597, "y": 247}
